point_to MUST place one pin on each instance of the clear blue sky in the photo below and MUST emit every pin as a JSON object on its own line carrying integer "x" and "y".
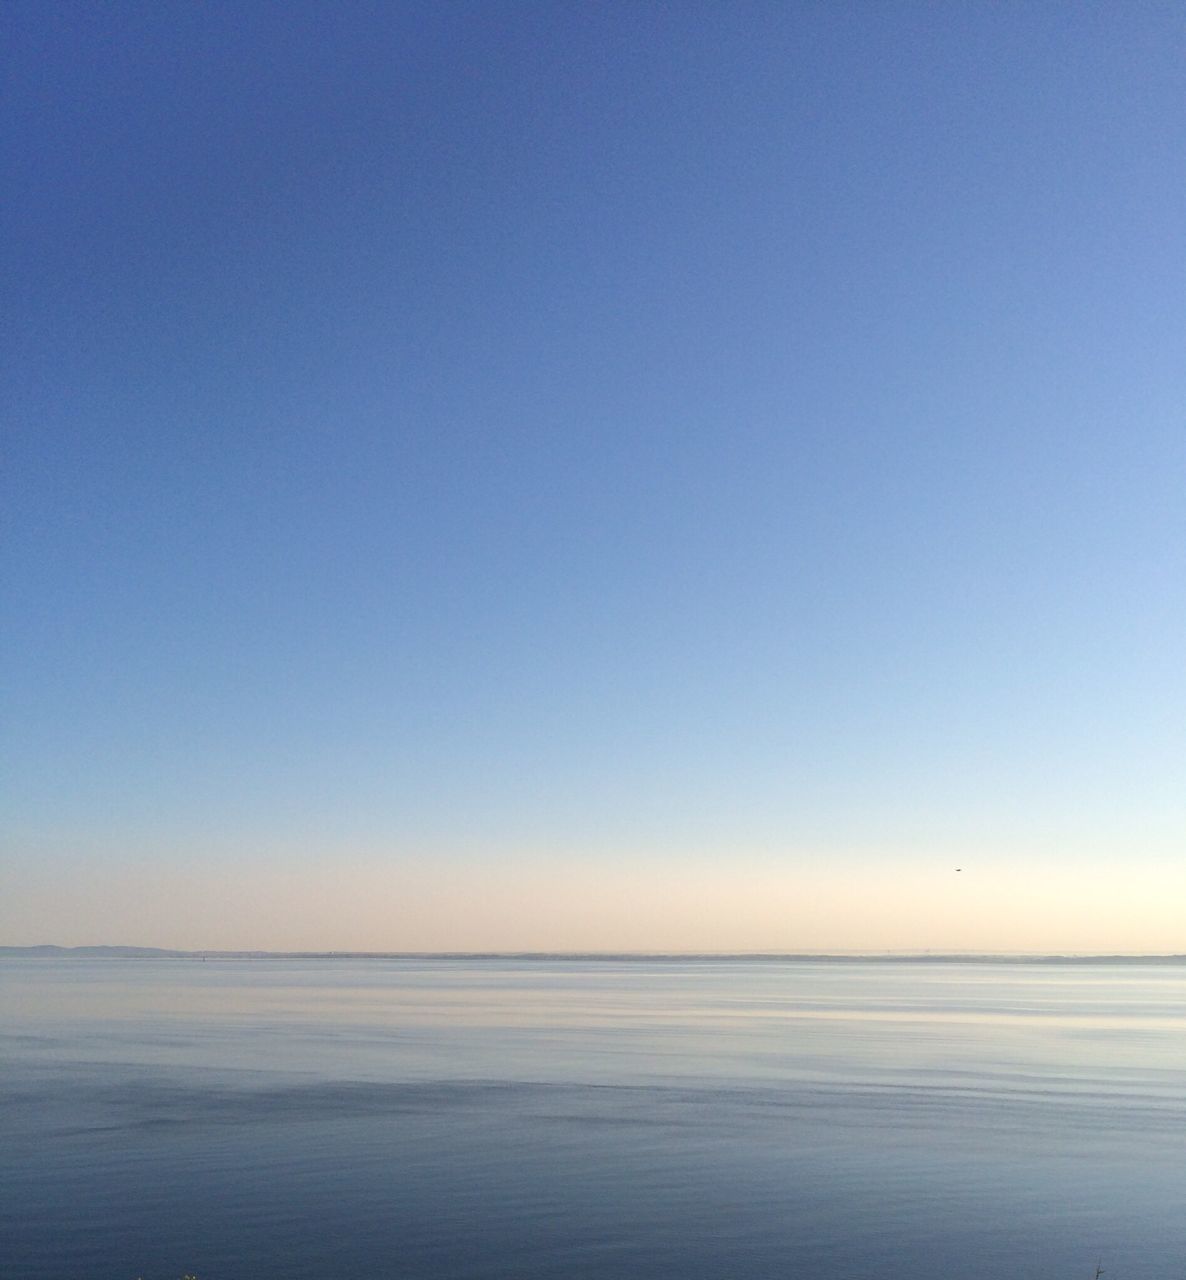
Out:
{"x": 594, "y": 474}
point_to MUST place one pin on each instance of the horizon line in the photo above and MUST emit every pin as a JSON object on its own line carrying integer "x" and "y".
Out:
{"x": 131, "y": 951}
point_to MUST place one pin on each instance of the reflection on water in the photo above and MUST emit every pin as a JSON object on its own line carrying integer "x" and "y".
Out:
{"x": 417, "y": 1118}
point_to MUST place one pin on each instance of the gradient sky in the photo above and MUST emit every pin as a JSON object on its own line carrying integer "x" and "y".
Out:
{"x": 567, "y": 475}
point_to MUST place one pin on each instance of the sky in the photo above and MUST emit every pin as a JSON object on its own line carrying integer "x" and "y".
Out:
{"x": 659, "y": 476}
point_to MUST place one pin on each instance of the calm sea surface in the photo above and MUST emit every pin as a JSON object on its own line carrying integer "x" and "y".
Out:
{"x": 539, "y": 1119}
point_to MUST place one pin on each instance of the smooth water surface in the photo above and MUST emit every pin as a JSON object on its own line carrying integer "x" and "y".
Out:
{"x": 344, "y": 1119}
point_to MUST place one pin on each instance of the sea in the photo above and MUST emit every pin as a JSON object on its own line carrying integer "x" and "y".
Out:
{"x": 540, "y": 1118}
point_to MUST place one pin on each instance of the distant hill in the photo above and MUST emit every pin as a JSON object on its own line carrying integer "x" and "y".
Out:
{"x": 84, "y": 953}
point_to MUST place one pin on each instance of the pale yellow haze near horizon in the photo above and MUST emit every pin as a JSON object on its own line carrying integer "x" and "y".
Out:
{"x": 537, "y": 904}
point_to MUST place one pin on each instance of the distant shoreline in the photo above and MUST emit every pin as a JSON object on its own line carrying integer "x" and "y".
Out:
{"x": 50, "y": 952}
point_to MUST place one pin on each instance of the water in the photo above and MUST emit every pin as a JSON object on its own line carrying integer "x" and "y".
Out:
{"x": 539, "y": 1119}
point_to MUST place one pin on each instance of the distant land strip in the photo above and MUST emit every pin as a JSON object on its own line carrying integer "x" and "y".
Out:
{"x": 49, "y": 951}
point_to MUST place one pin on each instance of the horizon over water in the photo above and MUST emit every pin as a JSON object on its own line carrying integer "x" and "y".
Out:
{"x": 132, "y": 951}
{"x": 701, "y": 1116}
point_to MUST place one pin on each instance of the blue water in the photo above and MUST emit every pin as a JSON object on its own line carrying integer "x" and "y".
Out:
{"x": 538, "y": 1119}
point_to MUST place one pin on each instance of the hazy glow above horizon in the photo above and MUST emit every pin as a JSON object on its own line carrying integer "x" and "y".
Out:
{"x": 557, "y": 478}
{"x": 609, "y": 904}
